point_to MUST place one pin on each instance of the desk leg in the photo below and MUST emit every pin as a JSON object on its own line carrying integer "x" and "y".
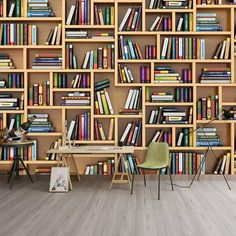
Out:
{"x": 117, "y": 161}
{"x": 64, "y": 163}
{"x": 76, "y": 168}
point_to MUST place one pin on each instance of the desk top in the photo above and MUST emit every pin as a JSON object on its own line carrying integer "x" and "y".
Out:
{"x": 92, "y": 149}
{"x": 15, "y": 144}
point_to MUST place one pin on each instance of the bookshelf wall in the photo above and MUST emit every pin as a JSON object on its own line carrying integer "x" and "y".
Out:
{"x": 23, "y": 55}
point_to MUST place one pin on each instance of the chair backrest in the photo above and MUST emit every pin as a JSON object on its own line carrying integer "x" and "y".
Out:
{"x": 157, "y": 154}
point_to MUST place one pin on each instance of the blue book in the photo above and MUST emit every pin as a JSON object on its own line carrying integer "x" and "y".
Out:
{"x": 130, "y": 161}
{"x": 173, "y": 49}
{"x": 173, "y": 163}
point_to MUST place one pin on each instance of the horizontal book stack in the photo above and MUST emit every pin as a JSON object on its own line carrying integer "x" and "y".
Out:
{"x": 102, "y": 58}
{"x": 39, "y": 94}
{"x": 7, "y": 102}
{"x": 40, "y": 8}
{"x": 185, "y": 138}
{"x": 175, "y": 4}
{"x": 47, "y": 61}
{"x": 76, "y": 99}
{"x": 165, "y": 74}
{"x": 28, "y": 153}
{"x": 162, "y": 136}
{"x": 223, "y": 50}
{"x": 79, "y": 128}
{"x": 16, "y": 8}
{"x": 185, "y": 22}
{"x": 208, "y": 108}
{"x": 210, "y": 2}
{"x": 101, "y": 168}
{"x": 162, "y": 97}
{"x": 104, "y": 18}
{"x": 15, "y": 122}
{"x": 79, "y": 13}
{"x": 128, "y": 49}
{"x": 14, "y": 80}
{"x": 145, "y": 74}
{"x": 54, "y": 36}
{"x": 18, "y": 34}
{"x": 131, "y": 20}
{"x": 100, "y": 36}
{"x": 54, "y": 145}
{"x": 41, "y": 123}
{"x": 208, "y": 137}
{"x": 102, "y": 100}
{"x": 6, "y": 62}
{"x": 183, "y": 48}
{"x": 125, "y": 74}
{"x": 76, "y": 34}
{"x": 183, "y": 94}
{"x": 208, "y": 22}
{"x": 133, "y": 103}
{"x": 223, "y": 164}
{"x": 100, "y": 133}
{"x": 186, "y": 163}
{"x": 216, "y": 75}
{"x": 132, "y": 134}
{"x": 150, "y": 51}
{"x": 1, "y": 8}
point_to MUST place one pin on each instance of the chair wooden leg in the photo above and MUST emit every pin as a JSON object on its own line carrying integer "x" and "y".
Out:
{"x": 144, "y": 178}
{"x": 159, "y": 182}
{"x": 132, "y": 183}
{"x": 171, "y": 179}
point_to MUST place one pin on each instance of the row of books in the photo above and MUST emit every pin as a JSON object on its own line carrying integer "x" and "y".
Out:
{"x": 185, "y": 138}
{"x": 131, "y": 19}
{"x": 125, "y": 74}
{"x": 208, "y": 108}
{"x": 79, "y": 13}
{"x": 210, "y": 2}
{"x": 28, "y": 153}
{"x": 100, "y": 133}
{"x": 104, "y": 18}
{"x": 16, "y": 121}
{"x": 183, "y": 48}
{"x": 16, "y": 8}
{"x": 76, "y": 99}
{"x": 185, "y": 22}
{"x": 7, "y": 102}
{"x": 6, "y": 62}
{"x": 79, "y": 128}
{"x": 207, "y": 21}
{"x": 163, "y": 23}
{"x": 150, "y": 51}
{"x": 223, "y": 50}
{"x": 223, "y": 164}
{"x": 41, "y": 123}
{"x": 101, "y": 168}
{"x": 170, "y": 4}
{"x": 162, "y": 136}
{"x": 145, "y": 74}
{"x": 39, "y": 94}
{"x": 47, "y": 61}
{"x": 18, "y": 34}
{"x": 38, "y": 8}
{"x": 14, "y": 80}
{"x": 54, "y": 36}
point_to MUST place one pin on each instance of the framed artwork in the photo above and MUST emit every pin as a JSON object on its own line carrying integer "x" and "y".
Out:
{"x": 59, "y": 181}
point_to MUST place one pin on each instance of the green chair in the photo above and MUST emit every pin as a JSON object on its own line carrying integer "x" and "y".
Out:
{"x": 156, "y": 159}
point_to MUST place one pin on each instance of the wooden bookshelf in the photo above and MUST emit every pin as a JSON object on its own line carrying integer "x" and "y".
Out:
{"x": 22, "y": 57}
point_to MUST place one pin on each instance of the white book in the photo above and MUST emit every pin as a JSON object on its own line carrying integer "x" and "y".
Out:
{"x": 71, "y": 128}
{"x": 101, "y": 20}
{"x": 180, "y": 47}
{"x": 34, "y": 35}
{"x": 123, "y": 22}
{"x": 180, "y": 139}
{"x": 222, "y": 53}
{"x": 134, "y": 135}
{"x": 125, "y": 133}
{"x": 130, "y": 75}
{"x": 91, "y": 60}
{"x": 12, "y": 122}
{"x": 53, "y": 41}
{"x": 223, "y": 164}
{"x": 136, "y": 99}
{"x": 34, "y": 150}
{"x": 128, "y": 99}
{"x": 126, "y": 55}
{"x": 127, "y": 74}
{"x": 111, "y": 128}
{"x": 108, "y": 102}
{"x": 202, "y": 49}
{"x": 180, "y": 162}
{"x": 134, "y": 22}
{"x": 58, "y": 39}
{"x": 74, "y": 61}
{"x": 55, "y": 147}
{"x": 76, "y": 80}
{"x": 155, "y": 137}
{"x": 151, "y": 119}
{"x": 87, "y": 170}
{"x": 86, "y": 59}
{"x": 131, "y": 104}
{"x": 12, "y": 7}
{"x": 70, "y": 15}
{"x": 100, "y": 103}
{"x": 151, "y": 4}
{"x": 164, "y": 48}
{"x": 180, "y": 24}
{"x": 12, "y": 34}
{"x": 154, "y": 23}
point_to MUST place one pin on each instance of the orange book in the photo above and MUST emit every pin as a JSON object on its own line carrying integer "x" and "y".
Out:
{"x": 29, "y": 34}
{"x": 198, "y": 162}
{"x": 139, "y": 51}
{"x": 108, "y": 58}
{"x": 130, "y": 19}
{"x": 29, "y": 153}
{"x": 198, "y": 48}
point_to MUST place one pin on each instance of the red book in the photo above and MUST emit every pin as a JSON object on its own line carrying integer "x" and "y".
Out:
{"x": 169, "y": 23}
{"x": 130, "y": 19}
{"x": 131, "y": 132}
{"x": 139, "y": 51}
{"x": 8, "y": 34}
{"x": 169, "y": 139}
{"x": 96, "y": 15}
{"x": 80, "y": 13}
{"x": 82, "y": 127}
{"x": 148, "y": 74}
{"x": 96, "y": 130}
{"x": 189, "y": 76}
{"x": 108, "y": 58}
{"x": 177, "y": 163}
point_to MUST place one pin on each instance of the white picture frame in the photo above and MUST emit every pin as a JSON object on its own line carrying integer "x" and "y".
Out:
{"x": 59, "y": 180}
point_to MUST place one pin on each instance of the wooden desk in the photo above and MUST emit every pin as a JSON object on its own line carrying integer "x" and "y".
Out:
{"x": 66, "y": 152}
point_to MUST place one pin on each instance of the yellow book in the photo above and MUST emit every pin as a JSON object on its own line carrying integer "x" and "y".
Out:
{"x": 123, "y": 76}
{"x": 190, "y": 22}
{"x": 104, "y": 103}
{"x": 29, "y": 34}
{"x": 190, "y": 137}
{"x": 209, "y": 108}
{"x": 96, "y": 107}
{"x": 105, "y": 58}
{"x": 112, "y": 16}
{"x": 22, "y": 9}
{"x": 111, "y": 128}
{"x": 101, "y": 132}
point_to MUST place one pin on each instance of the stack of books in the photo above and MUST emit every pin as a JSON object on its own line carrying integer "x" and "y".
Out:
{"x": 15, "y": 8}
{"x": 40, "y": 8}
{"x": 208, "y": 22}
{"x": 100, "y": 36}
{"x": 125, "y": 74}
{"x": 162, "y": 97}
{"x": 186, "y": 163}
{"x": 76, "y": 34}
{"x": 208, "y": 108}
{"x": 183, "y": 94}
{"x": 7, "y": 102}
{"x": 128, "y": 49}
{"x": 216, "y": 75}
{"x": 79, "y": 128}
{"x": 6, "y": 62}
{"x": 183, "y": 48}
{"x": 14, "y": 80}
{"x": 185, "y": 138}
{"x": 47, "y": 61}
{"x": 185, "y": 22}
{"x": 223, "y": 50}
{"x": 39, "y": 94}
{"x": 175, "y": 4}
{"x": 76, "y": 99}
{"x": 162, "y": 136}
{"x": 131, "y": 20}
{"x": 165, "y": 74}
{"x": 208, "y": 137}
{"x": 99, "y": 131}
{"x": 210, "y": 2}
{"x": 102, "y": 100}
{"x": 79, "y": 13}
{"x": 145, "y": 74}
{"x": 132, "y": 134}
{"x": 133, "y": 103}
{"x": 54, "y": 36}
{"x": 40, "y": 124}
{"x": 101, "y": 168}
{"x": 223, "y": 164}
{"x": 106, "y": 18}
{"x": 18, "y": 34}
{"x": 150, "y": 51}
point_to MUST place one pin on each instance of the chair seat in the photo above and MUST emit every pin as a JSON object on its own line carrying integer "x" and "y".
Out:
{"x": 150, "y": 166}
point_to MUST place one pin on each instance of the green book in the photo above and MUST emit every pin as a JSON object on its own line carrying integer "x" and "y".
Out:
{"x": 107, "y": 16}
{"x": 186, "y": 137}
{"x": 18, "y": 8}
{"x": 55, "y": 80}
{"x": 186, "y": 22}
{"x": 190, "y": 166}
{"x": 186, "y": 162}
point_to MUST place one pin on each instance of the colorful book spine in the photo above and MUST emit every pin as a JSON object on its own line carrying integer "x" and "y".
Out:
{"x": 145, "y": 74}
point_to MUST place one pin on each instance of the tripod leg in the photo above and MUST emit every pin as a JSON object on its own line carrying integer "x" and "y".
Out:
{"x": 10, "y": 172}
{"x": 17, "y": 167}
{"x": 27, "y": 172}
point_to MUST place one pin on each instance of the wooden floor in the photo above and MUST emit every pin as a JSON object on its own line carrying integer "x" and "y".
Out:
{"x": 208, "y": 208}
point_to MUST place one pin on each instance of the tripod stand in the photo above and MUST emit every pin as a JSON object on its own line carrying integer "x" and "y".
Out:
{"x": 203, "y": 160}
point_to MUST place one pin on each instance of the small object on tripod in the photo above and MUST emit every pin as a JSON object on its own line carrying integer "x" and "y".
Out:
{"x": 226, "y": 114}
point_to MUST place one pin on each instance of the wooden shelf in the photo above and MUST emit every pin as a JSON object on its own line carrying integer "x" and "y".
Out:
{"x": 44, "y": 19}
